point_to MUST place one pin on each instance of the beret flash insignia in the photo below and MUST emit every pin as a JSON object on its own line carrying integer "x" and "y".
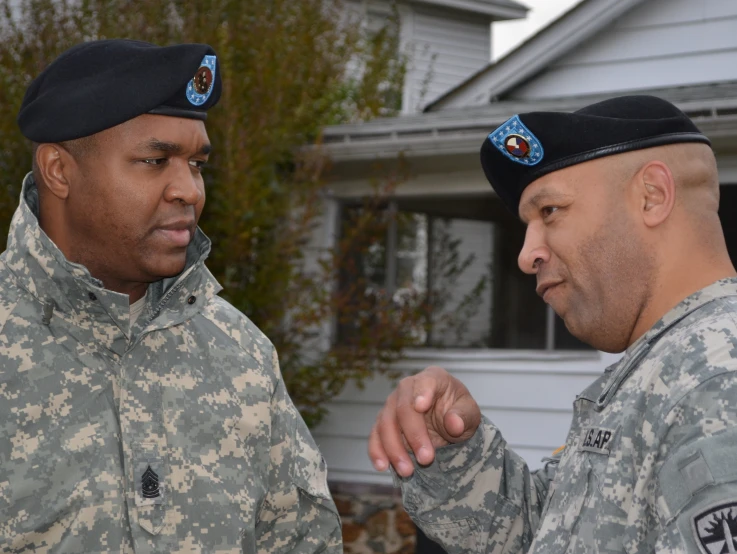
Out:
{"x": 200, "y": 87}
{"x": 517, "y": 142}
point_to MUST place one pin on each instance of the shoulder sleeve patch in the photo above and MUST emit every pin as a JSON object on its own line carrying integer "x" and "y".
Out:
{"x": 715, "y": 528}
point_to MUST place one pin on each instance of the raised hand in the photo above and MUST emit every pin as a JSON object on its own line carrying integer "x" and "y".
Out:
{"x": 426, "y": 411}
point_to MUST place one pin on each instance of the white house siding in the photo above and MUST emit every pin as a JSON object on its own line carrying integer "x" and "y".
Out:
{"x": 660, "y": 43}
{"x": 528, "y": 395}
{"x": 445, "y": 48}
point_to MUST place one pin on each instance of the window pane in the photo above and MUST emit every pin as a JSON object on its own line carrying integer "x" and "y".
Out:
{"x": 520, "y": 318}
{"x": 411, "y": 255}
{"x": 362, "y": 276}
{"x": 460, "y": 274}
{"x": 373, "y": 263}
{"x": 564, "y": 340}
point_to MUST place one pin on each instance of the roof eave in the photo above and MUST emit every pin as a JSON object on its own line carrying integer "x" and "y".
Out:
{"x": 466, "y": 137}
{"x": 494, "y": 10}
{"x": 470, "y": 143}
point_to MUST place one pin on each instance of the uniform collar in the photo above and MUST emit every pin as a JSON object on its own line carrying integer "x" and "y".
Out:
{"x": 42, "y": 269}
{"x": 719, "y": 289}
{"x": 641, "y": 347}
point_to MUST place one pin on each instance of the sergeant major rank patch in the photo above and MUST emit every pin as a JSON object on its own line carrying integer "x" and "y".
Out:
{"x": 517, "y": 142}
{"x": 150, "y": 484}
{"x": 715, "y": 529}
{"x": 596, "y": 439}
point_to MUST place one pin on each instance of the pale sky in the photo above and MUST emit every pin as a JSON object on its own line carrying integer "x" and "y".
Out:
{"x": 506, "y": 35}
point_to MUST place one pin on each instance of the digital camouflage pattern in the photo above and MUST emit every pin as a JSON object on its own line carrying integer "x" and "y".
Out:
{"x": 176, "y": 435}
{"x": 649, "y": 465}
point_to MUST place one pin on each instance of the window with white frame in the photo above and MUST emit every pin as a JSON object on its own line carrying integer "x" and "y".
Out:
{"x": 463, "y": 250}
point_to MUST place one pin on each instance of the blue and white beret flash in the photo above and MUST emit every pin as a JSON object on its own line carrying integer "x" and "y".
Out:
{"x": 530, "y": 145}
{"x": 100, "y": 84}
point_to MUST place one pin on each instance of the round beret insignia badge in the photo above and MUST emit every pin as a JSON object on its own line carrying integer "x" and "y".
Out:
{"x": 517, "y": 146}
{"x": 200, "y": 87}
{"x": 203, "y": 80}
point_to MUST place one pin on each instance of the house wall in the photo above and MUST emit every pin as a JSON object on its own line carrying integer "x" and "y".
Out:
{"x": 445, "y": 48}
{"x": 660, "y": 43}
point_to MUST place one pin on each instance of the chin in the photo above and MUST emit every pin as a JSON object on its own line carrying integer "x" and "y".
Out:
{"x": 594, "y": 337}
{"x": 165, "y": 268}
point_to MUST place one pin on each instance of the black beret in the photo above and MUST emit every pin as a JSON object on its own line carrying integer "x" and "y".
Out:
{"x": 534, "y": 144}
{"x": 96, "y": 85}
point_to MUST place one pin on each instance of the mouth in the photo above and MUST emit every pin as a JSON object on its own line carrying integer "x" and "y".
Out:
{"x": 178, "y": 233}
{"x": 543, "y": 289}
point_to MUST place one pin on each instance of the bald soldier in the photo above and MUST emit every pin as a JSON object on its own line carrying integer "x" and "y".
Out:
{"x": 620, "y": 202}
{"x": 139, "y": 412}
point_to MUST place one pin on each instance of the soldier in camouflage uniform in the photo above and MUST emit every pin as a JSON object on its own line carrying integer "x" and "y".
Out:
{"x": 163, "y": 428}
{"x": 620, "y": 201}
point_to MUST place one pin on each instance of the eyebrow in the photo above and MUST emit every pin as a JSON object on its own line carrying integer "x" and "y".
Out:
{"x": 540, "y": 198}
{"x": 173, "y": 147}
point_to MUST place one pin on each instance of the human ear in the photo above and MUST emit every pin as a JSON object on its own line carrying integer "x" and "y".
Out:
{"x": 657, "y": 190}
{"x": 54, "y": 164}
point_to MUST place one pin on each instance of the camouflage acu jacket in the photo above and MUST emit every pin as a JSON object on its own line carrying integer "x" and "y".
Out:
{"x": 649, "y": 465}
{"x": 176, "y": 435}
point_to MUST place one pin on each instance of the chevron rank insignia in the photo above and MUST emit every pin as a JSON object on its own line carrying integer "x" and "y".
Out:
{"x": 150, "y": 484}
{"x": 715, "y": 529}
{"x": 517, "y": 142}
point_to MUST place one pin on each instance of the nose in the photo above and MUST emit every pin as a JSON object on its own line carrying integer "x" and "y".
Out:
{"x": 186, "y": 186}
{"x": 534, "y": 251}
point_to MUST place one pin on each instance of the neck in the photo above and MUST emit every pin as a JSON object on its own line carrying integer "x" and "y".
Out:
{"x": 53, "y": 224}
{"x": 676, "y": 283}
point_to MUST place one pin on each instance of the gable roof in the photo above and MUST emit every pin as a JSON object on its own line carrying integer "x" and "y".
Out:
{"x": 497, "y": 9}
{"x": 549, "y": 44}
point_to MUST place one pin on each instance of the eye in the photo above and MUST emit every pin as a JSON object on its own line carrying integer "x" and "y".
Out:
{"x": 154, "y": 161}
{"x": 547, "y": 211}
{"x": 198, "y": 164}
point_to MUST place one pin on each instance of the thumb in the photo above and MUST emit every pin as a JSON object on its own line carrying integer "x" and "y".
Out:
{"x": 454, "y": 424}
{"x": 462, "y": 420}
